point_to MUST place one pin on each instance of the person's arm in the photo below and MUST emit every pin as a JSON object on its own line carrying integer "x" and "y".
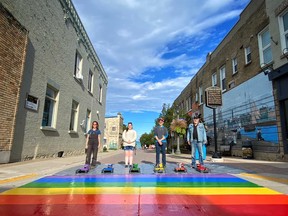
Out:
{"x": 87, "y": 140}
{"x": 156, "y": 136}
{"x": 205, "y": 135}
{"x": 124, "y": 136}
{"x": 166, "y": 134}
{"x": 99, "y": 140}
{"x": 188, "y": 135}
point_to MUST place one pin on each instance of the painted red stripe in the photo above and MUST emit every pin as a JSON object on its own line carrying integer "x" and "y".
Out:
{"x": 167, "y": 210}
{"x": 145, "y": 199}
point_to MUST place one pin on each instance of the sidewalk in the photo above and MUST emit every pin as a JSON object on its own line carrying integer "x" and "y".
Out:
{"x": 16, "y": 174}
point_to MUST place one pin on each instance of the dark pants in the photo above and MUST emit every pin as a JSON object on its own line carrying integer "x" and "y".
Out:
{"x": 92, "y": 150}
{"x": 162, "y": 149}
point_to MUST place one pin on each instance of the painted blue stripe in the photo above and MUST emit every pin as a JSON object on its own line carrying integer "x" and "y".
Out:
{"x": 139, "y": 179}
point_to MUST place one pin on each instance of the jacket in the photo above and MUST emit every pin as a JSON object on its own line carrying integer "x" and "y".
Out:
{"x": 201, "y": 131}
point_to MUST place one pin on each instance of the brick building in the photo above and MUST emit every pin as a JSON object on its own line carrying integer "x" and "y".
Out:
{"x": 113, "y": 131}
{"x": 53, "y": 84}
{"x": 239, "y": 67}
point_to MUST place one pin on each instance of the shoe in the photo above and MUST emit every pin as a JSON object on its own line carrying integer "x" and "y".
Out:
{"x": 126, "y": 166}
{"x": 202, "y": 168}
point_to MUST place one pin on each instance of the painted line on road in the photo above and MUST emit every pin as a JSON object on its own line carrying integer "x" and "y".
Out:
{"x": 274, "y": 179}
{"x": 18, "y": 178}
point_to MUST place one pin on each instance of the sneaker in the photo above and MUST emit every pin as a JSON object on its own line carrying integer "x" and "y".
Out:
{"x": 202, "y": 168}
{"x": 193, "y": 166}
{"x": 126, "y": 166}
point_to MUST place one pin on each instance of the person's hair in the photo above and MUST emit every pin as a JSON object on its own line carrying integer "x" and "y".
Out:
{"x": 97, "y": 124}
{"x": 127, "y": 126}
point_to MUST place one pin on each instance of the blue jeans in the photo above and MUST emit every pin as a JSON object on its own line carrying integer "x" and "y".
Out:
{"x": 162, "y": 149}
{"x": 197, "y": 145}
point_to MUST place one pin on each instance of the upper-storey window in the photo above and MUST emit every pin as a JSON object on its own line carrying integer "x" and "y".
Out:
{"x": 283, "y": 26}
{"x": 223, "y": 78}
{"x": 74, "y": 116}
{"x": 100, "y": 96}
{"x": 200, "y": 95}
{"x": 234, "y": 65}
{"x": 248, "y": 55}
{"x": 214, "y": 79}
{"x": 90, "y": 81}
{"x": 78, "y": 66}
{"x": 265, "y": 51}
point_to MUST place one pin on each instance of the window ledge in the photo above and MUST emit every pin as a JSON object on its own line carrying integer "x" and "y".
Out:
{"x": 247, "y": 64}
{"x": 72, "y": 132}
{"x": 90, "y": 93}
{"x": 233, "y": 74}
{"x": 48, "y": 128}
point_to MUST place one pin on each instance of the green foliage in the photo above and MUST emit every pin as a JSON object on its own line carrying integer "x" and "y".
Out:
{"x": 105, "y": 149}
{"x": 180, "y": 131}
{"x": 147, "y": 139}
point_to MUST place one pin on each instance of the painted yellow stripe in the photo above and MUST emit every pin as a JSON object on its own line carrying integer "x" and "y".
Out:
{"x": 18, "y": 178}
{"x": 139, "y": 190}
{"x": 274, "y": 179}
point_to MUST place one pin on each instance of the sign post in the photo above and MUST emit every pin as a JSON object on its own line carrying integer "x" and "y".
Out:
{"x": 213, "y": 99}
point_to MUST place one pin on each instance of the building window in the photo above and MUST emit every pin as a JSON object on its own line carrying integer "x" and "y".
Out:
{"x": 231, "y": 84}
{"x": 88, "y": 120}
{"x": 214, "y": 79}
{"x": 100, "y": 93}
{"x": 190, "y": 102}
{"x": 200, "y": 95}
{"x": 113, "y": 128}
{"x": 196, "y": 97}
{"x": 90, "y": 82}
{"x": 78, "y": 66}
{"x": 74, "y": 116}
{"x": 247, "y": 55}
{"x": 223, "y": 79}
{"x": 187, "y": 104}
{"x": 234, "y": 65}
{"x": 283, "y": 23}
{"x": 49, "y": 112}
{"x": 265, "y": 47}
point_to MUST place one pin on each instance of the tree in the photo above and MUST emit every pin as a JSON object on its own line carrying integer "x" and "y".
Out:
{"x": 147, "y": 139}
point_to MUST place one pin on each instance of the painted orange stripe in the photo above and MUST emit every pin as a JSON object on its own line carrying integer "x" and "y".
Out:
{"x": 18, "y": 178}
{"x": 146, "y": 199}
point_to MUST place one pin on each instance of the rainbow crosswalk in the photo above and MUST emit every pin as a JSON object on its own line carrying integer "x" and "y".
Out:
{"x": 166, "y": 194}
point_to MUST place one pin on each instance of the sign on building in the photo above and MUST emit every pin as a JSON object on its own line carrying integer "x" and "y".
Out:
{"x": 213, "y": 97}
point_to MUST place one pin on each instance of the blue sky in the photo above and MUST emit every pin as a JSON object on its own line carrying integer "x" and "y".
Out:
{"x": 151, "y": 49}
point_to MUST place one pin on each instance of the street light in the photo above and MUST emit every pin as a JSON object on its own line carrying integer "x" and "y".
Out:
{"x": 178, "y": 141}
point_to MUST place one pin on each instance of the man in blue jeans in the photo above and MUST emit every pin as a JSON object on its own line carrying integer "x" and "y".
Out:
{"x": 196, "y": 137}
{"x": 161, "y": 134}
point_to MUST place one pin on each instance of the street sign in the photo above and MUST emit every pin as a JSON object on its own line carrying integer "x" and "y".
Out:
{"x": 213, "y": 97}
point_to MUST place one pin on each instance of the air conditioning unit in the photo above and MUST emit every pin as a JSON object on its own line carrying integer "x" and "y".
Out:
{"x": 79, "y": 76}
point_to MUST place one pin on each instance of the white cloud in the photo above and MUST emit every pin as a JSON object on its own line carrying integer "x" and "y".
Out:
{"x": 131, "y": 36}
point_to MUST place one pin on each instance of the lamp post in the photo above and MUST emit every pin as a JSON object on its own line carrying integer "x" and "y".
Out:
{"x": 178, "y": 141}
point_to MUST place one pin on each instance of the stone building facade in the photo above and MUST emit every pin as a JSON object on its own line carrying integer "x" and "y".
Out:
{"x": 239, "y": 67}
{"x": 113, "y": 131}
{"x": 58, "y": 85}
